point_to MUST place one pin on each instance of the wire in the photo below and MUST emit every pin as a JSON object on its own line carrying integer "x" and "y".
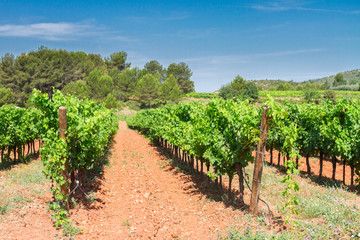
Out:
{"x": 78, "y": 186}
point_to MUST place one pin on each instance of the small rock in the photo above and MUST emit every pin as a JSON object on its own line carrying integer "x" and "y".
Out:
{"x": 22, "y": 212}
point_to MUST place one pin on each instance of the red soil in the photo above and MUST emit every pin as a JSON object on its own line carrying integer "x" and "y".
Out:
{"x": 140, "y": 196}
{"x": 315, "y": 167}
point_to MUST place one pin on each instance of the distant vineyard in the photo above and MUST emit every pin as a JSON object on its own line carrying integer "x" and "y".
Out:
{"x": 301, "y": 94}
{"x": 281, "y": 94}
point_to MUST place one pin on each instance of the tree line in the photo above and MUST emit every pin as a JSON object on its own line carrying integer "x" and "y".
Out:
{"x": 88, "y": 75}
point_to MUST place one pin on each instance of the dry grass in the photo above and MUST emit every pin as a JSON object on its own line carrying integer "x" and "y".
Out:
{"x": 326, "y": 211}
{"x": 20, "y": 185}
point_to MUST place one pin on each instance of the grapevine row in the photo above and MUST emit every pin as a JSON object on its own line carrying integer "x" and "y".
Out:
{"x": 90, "y": 127}
{"x": 18, "y": 127}
{"x": 222, "y": 134}
{"x": 326, "y": 131}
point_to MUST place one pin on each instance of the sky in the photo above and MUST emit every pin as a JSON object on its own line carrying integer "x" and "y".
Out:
{"x": 280, "y": 39}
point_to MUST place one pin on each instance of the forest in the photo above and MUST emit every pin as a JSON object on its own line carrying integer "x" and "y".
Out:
{"x": 88, "y": 75}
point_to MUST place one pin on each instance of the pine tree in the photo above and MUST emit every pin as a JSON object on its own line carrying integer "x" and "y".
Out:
{"x": 148, "y": 90}
{"x": 170, "y": 90}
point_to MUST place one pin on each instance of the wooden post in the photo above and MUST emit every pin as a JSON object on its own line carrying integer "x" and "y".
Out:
{"x": 65, "y": 173}
{"x": 344, "y": 170}
{"x": 259, "y": 159}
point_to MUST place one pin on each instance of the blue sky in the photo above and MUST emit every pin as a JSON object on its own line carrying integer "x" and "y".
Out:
{"x": 281, "y": 39}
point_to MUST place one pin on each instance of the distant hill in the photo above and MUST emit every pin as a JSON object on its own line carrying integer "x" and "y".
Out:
{"x": 351, "y": 77}
{"x": 268, "y": 83}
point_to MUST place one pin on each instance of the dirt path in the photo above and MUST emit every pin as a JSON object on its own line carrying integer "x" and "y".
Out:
{"x": 144, "y": 198}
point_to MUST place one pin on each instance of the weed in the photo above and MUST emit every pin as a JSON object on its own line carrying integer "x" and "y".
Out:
{"x": 261, "y": 220}
{"x": 249, "y": 234}
{"x": 161, "y": 164}
{"x": 137, "y": 165}
{"x": 3, "y": 209}
{"x": 74, "y": 202}
{"x": 91, "y": 197}
{"x": 181, "y": 168}
{"x": 60, "y": 216}
{"x": 126, "y": 223}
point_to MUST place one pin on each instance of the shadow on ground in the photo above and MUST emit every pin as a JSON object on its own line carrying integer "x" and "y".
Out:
{"x": 212, "y": 189}
{"x": 320, "y": 180}
{"x": 86, "y": 184}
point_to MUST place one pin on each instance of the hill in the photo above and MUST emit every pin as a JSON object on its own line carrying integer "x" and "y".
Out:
{"x": 351, "y": 77}
{"x": 268, "y": 83}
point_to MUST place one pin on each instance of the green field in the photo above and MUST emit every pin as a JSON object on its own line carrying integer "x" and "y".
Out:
{"x": 300, "y": 94}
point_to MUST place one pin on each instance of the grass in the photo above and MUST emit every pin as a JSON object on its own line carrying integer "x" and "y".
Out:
{"x": 326, "y": 211}
{"x": 161, "y": 164}
{"x": 21, "y": 184}
{"x": 126, "y": 223}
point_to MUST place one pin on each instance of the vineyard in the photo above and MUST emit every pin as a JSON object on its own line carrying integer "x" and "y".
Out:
{"x": 222, "y": 134}
{"x": 217, "y": 138}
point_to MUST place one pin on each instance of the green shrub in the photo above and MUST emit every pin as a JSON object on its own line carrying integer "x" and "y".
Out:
{"x": 312, "y": 96}
{"x": 330, "y": 95}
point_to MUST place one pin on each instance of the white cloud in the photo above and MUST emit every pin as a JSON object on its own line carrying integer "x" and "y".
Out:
{"x": 286, "y": 5}
{"x": 57, "y": 31}
{"x": 49, "y": 31}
